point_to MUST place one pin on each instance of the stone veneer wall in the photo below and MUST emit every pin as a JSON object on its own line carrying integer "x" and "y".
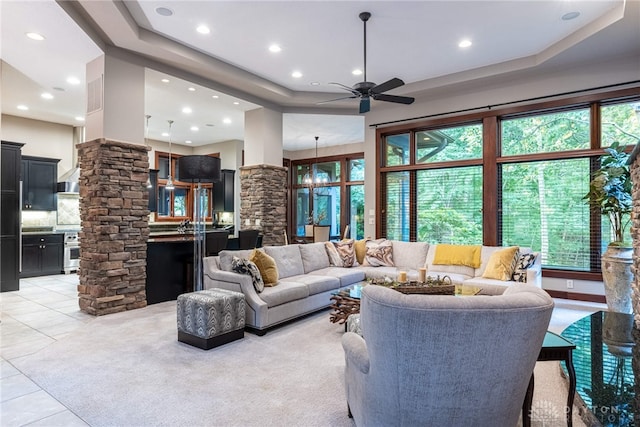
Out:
{"x": 263, "y": 197}
{"x": 115, "y": 226}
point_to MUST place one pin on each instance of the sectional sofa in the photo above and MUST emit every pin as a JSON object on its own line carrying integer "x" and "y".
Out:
{"x": 307, "y": 278}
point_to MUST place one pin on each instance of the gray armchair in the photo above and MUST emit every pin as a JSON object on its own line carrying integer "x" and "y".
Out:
{"x": 444, "y": 360}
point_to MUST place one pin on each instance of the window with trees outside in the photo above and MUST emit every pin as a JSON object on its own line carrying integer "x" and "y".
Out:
{"x": 176, "y": 204}
{"x": 329, "y": 192}
{"x": 512, "y": 177}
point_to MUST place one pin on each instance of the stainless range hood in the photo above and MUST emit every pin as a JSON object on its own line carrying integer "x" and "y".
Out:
{"x": 69, "y": 182}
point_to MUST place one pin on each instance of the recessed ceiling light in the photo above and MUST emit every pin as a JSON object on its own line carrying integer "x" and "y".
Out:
{"x": 165, "y": 80}
{"x": 315, "y": 83}
{"x": 215, "y": 96}
{"x": 187, "y": 142}
{"x": 203, "y": 29}
{"x": 73, "y": 80}
{"x": 192, "y": 89}
{"x": 164, "y": 11}
{"x": 236, "y": 103}
{"x": 569, "y": 16}
{"x": 356, "y": 72}
{"x": 187, "y": 110}
{"x": 195, "y": 128}
{"x": 165, "y": 134}
{"x": 80, "y": 119}
{"x": 226, "y": 120}
{"x": 296, "y": 74}
{"x": 35, "y": 36}
{"x": 23, "y": 107}
{"x": 464, "y": 43}
{"x": 275, "y": 48}
{"x": 46, "y": 95}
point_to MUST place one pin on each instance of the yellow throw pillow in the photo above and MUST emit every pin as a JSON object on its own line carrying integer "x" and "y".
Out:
{"x": 501, "y": 264}
{"x": 266, "y": 265}
{"x": 468, "y": 255}
{"x": 360, "y": 247}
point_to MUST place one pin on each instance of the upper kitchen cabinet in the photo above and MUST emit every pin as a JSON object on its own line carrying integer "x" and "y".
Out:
{"x": 39, "y": 183}
{"x": 223, "y": 194}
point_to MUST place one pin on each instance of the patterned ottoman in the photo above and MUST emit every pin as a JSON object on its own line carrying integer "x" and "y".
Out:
{"x": 210, "y": 318}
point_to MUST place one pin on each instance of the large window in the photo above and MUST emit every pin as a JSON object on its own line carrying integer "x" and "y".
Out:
{"x": 329, "y": 192}
{"x": 510, "y": 177}
{"x": 439, "y": 197}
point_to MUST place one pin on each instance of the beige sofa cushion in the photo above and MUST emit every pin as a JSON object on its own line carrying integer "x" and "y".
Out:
{"x": 314, "y": 256}
{"x": 409, "y": 255}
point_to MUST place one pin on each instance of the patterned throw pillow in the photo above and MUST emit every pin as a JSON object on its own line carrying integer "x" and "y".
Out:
{"x": 244, "y": 266}
{"x": 347, "y": 252}
{"x": 334, "y": 256}
{"x": 524, "y": 261}
{"x": 379, "y": 254}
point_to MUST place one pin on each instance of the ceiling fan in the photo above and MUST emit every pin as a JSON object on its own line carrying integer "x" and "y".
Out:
{"x": 367, "y": 90}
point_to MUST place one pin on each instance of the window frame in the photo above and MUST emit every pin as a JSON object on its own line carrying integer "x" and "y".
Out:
{"x": 492, "y": 159}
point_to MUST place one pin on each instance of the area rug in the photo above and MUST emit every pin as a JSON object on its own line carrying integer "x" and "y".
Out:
{"x": 128, "y": 369}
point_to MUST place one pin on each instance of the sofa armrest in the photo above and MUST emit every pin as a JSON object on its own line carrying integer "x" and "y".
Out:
{"x": 534, "y": 273}
{"x": 236, "y": 282}
{"x": 355, "y": 351}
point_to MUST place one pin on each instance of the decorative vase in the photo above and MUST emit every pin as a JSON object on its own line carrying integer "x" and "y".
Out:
{"x": 617, "y": 277}
{"x": 308, "y": 230}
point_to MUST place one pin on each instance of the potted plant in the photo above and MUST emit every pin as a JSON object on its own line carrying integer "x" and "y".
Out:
{"x": 610, "y": 191}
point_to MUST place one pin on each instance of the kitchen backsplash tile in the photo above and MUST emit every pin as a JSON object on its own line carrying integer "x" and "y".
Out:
{"x": 32, "y": 219}
{"x": 68, "y": 209}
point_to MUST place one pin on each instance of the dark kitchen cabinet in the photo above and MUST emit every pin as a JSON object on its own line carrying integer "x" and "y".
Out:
{"x": 153, "y": 190}
{"x": 10, "y": 216}
{"x": 223, "y": 194}
{"x": 39, "y": 183}
{"x": 42, "y": 254}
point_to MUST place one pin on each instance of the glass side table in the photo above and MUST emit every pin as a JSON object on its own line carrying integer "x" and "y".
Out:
{"x": 604, "y": 375}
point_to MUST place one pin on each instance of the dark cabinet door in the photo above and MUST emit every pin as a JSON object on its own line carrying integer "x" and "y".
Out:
{"x": 42, "y": 254}
{"x": 31, "y": 260}
{"x": 10, "y": 158}
{"x": 223, "y": 191}
{"x": 52, "y": 258}
{"x": 39, "y": 176}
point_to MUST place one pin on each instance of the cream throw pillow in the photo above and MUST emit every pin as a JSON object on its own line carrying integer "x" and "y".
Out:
{"x": 266, "y": 265}
{"x": 501, "y": 264}
{"x": 334, "y": 256}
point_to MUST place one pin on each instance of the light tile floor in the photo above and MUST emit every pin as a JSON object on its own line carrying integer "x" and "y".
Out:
{"x": 45, "y": 309}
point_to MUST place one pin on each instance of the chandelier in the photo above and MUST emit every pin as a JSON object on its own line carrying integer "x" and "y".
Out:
{"x": 312, "y": 178}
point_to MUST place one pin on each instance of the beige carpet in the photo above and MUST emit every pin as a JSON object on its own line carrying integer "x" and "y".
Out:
{"x": 128, "y": 369}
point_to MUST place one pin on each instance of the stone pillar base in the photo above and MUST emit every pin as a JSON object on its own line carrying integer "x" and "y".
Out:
{"x": 263, "y": 195}
{"x": 114, "y": 214}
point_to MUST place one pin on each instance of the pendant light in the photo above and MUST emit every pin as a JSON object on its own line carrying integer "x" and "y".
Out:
{"x": 169, "y": 185}
{"x": 146, "y": 143}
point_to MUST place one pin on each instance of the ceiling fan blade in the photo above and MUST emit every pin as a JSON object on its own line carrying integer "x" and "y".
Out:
{"x": 388, "y": 85}
{"x": 393, "y": 98}
{"x": 346, "y": 88}
{"x": 365, "y": 104}
{"x": 337, "y": 99}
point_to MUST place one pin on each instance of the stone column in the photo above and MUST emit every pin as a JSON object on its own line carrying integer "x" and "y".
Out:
{"x": 263, "y": 201}
{"x": 114, "y": 213}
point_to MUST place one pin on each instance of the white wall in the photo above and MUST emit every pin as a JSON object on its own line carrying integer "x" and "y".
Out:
{"x": 41, "y": 139}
